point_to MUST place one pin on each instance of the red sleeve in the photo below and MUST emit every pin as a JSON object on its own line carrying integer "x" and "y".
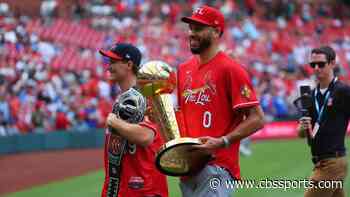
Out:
{"x": 150, "y": 125}
{"x": 242, "y": 91}
{"x": 158, "y": 139}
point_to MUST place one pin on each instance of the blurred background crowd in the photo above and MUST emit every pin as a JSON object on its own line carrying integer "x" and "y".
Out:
{"x": 52, "y": 77}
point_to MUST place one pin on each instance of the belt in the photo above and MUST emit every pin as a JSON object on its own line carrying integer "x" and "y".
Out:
{"x": 317, "y": 158}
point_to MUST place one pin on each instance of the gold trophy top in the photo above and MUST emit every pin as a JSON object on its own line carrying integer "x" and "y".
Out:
{"x": 155, "y": 78}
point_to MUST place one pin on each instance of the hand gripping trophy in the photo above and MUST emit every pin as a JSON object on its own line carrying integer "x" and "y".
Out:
{"x": 178, "y": 156}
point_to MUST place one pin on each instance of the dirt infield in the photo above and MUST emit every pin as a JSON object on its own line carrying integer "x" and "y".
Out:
{"x": 21, "y": 171}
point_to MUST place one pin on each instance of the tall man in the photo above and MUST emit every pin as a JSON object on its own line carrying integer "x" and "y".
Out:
{"x": 327, "y": 125}
{"x": 217, "y": 102}
{"x": 130, "y": 148}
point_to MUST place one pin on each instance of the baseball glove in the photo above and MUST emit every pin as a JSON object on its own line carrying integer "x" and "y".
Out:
{"x": 130, "y": 106}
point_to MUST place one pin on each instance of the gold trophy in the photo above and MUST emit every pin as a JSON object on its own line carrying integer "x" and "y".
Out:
{"x": 178, "y": 156}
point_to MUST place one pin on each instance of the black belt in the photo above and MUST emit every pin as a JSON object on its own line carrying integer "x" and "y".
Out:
{"x": 317, "y": 158}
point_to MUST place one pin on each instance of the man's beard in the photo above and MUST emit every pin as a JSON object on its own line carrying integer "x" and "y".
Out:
{"x": 203, "y": 45}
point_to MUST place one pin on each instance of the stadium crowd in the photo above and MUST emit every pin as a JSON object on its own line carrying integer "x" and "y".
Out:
{"x": 52, "y": 77}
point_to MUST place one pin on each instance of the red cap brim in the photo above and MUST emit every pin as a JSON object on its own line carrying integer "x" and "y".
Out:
{"x": 194, "y": 20}
{"x": 110, "y": 54}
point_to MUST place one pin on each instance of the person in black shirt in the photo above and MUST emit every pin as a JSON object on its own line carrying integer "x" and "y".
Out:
{"x": 327, "y": 124}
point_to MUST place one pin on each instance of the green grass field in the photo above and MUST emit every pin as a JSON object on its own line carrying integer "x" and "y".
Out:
{"x": 270, "y": 160}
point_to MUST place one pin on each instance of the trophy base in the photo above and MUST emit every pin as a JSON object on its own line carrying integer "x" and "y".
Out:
{"x": 178, "y": 157}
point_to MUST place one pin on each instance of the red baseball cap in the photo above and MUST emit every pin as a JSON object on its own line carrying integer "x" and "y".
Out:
{"x": 208, "y": 16}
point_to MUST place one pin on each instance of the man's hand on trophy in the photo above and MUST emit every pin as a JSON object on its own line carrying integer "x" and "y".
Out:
{"x": 201, "y": 154}
{"x": 210, "y": 143}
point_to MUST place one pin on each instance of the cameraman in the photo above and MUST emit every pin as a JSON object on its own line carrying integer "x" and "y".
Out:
{"x": 327, "y": 124}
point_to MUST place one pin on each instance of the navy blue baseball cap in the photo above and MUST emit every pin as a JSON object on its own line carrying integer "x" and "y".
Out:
{"x": 123, "y": 51}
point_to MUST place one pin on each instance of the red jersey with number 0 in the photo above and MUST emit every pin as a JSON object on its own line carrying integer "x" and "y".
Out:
{"x": 138, "y": 174}
{"x": 209, "y": 97}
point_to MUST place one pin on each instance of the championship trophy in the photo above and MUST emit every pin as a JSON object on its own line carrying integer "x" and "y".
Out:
{"x": 178, "y": 156}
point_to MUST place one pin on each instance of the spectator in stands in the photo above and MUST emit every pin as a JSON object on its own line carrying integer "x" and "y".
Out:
{"x": 3, "y": 125}
{"x": 4, "y": 106}
{"x": 38, "y": 117}
{"x": 62, "y": 122}
{"x": 79, "y": 124}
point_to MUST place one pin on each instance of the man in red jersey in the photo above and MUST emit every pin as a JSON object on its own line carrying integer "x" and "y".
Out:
{"x": 217, "y": 102}
{"x": 130, "y": 145}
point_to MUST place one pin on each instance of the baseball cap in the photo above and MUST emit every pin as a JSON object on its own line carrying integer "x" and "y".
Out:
{"x": 208, "y": 16}
{"x": 123, "y": 51}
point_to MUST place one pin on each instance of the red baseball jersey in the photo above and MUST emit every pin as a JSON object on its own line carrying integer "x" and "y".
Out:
{"x": 137, "y": 173}
{"x": 209, "y": 95}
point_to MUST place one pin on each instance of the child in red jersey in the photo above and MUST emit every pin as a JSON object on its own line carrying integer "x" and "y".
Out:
{"x": 130, "y": 148}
